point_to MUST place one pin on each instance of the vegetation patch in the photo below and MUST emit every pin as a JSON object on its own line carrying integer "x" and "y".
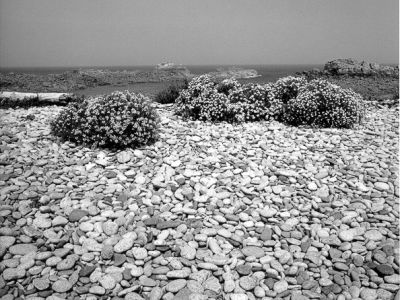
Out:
{"x": 119, "y": 120}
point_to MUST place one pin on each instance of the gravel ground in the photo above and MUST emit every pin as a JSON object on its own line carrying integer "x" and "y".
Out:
{"x": 254, "y": 211}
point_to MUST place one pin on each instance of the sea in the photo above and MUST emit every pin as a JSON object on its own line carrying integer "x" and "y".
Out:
{"x": 267, "y": 73}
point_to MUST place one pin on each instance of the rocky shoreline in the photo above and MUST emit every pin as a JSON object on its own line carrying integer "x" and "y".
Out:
{"x": 374, "y": 82}
{"x": 211, "y": 211}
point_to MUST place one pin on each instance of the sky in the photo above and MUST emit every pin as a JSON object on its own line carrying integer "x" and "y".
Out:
{"x": 44, "y": 33}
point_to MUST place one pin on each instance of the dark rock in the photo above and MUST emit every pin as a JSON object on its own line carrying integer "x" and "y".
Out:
{"x": 77, "y": 214}
{"x": 86, "y": 270}
{"x": 385, "y": 269}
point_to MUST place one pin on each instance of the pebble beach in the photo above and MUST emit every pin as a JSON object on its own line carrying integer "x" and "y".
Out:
{"x": 210, "y": 211}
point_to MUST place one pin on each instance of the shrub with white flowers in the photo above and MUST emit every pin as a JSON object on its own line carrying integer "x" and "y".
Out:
{"x": 322, "y": 104}
{"x": 202, "y": 101}
{"x": 286, "y": 88}
{"x": 119, "y": 120}
{"x": 252, "y": 102}
{"x": 227, "y": 86}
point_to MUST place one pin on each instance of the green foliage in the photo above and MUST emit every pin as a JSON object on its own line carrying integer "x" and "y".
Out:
{"x": 322, "y": 104}
{"x": 119, "y": 120}
{"x": 171, "y": 93}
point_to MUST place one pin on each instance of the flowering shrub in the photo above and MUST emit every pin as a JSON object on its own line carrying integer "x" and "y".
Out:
{"x": 320, "y": 103}
{"x": 119, "y": 120}
{"x": 286, "y": 88}
{"x": 170, "y": 94}
{"x": 202, "y": 101}
{"x": 252, "y": 102}
{"x": 227, "y": 86}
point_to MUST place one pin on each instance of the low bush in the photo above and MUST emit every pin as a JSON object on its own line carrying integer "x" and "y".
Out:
{"x": 171, "y": 93}
{"x": 252, "y": 102}
{"x": 227, "y": 86}
{"x": 119, "y": 120}
{"x": 322, "y": 104}
{"x": 286, "y": 88}
{"x": 202, "y": 101}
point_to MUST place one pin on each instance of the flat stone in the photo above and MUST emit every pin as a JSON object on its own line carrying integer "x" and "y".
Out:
{"x": 41, "y": 283}
{"x": 393, "y": 279}
{"x": 257, "y": 252}
{"x": 77, "y": 214}
{"x": 373, "y": 235}
{"x": 266, "y": 234}
{"x": 368, "y": 294}
{"x": 61, "y": 286}
{"x": 385, "y": 269}
{"x": 175, "y": 285}
{"x": 381, "y": 186}
{"x": 22, "y": 249}
{"x": 247, "y": 283}
{"x": 188, "y": 252}
{"x": 281, "y": 286}
{"x": 13, "y": 273}
{"x": 107, "y": 282}
{"x": 212, "y": 284}
{"x": 139, "y": 253}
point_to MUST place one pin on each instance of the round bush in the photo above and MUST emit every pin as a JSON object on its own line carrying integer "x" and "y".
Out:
{"x": 202, "y": 101}
{"x": 119, "y": 120}
{"x": 227, "y": 86}
{"x": 252, "y": 102}
{"x": 286, "y": 88}
{"x": 322, "y": 104}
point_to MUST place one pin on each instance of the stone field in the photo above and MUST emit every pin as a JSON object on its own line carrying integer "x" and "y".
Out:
{"x": 210, "y": 211}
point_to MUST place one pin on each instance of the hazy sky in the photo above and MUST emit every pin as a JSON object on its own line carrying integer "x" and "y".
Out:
{"x": 146, "y": 32}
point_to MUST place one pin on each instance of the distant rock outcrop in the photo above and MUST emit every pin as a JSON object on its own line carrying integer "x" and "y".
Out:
{"x": 373, "y": 81}
{"x": 352, "y": 67}
{"x": 173, "y": 69}
{"x": 234, "y": 72}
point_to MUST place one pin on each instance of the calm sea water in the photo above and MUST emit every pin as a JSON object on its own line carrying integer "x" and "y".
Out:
{"x": 269, "y": 73}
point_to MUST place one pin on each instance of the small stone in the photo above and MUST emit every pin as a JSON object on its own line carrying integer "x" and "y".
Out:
{"x": 212, "y": 284}
{"x": 247, "y": 283}
{"x": 244, "y": 269}
{"x": 175, "y": 285}
{"x": 126, "y": 242}
{"x": 257, "y": 252}
{"x": 373, "y": 235}
{"x": 184, "y": 273}
{"x": 385, "y": 269}
{"x": 238, "y": 297}
{"x": 368, "y": 294}
{"x": 381, "y": 186}
{"x": 77, "y": 214}
{"x": 281, "y": 286}
{"x": 13, "y": 273}
{"x": 393, "y": 279}
{"x": 139, "y": 253}
{"x": 61, "y": 286}
{"x": 266, "y": 234}
{"x": 97, "y": 290}
{"x": 110, "y": 228}
{"x": 188, "y": 252}
{"x": 59, "y": 221}
{"x": 137, "y": 271}
{"x": 107, "y": 282}
{"x": 156, "y": 293}
{"x": 22, "y": 249}
{"x": 346, "y": 235}
{"x": 41, "y": 283}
